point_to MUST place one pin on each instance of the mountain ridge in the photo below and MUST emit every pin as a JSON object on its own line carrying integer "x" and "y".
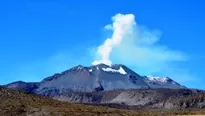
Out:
{"x": 116, "y": 84}
{"x": 86, "y": 78}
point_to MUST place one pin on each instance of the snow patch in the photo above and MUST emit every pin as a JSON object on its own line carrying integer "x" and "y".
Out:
{"x": 158, "y": 79}
{"x": 79, "y": 68}
{"x": 90, "y": 70}
{"x": 120, "y": 70}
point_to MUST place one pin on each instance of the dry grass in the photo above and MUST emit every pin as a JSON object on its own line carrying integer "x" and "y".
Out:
{"x": 17, "y": 103}
{"x": 191, "y": 115}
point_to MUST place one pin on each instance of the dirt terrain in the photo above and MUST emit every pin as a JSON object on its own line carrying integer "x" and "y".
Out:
{"x": 19, "y": 103}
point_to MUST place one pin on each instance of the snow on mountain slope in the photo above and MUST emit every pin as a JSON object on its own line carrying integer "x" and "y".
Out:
{"x": 81, "y": 78}
{"x": 158, "y": 79}
{"x": 95, "y": 78}
{"x": 120, "y": 70}
{"x": 162, "y": 82}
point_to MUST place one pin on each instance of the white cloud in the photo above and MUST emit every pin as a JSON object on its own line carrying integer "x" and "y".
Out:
{"x": 122, "y": 27}
{"x": 136, "y": 46}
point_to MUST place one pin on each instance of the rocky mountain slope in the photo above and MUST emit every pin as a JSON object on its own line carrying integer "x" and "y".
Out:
{"x": 146, "y": 98}
{"x": 116, "y": 84}
{"x": 96, "y": 78}
{"x": 162, "y": 82}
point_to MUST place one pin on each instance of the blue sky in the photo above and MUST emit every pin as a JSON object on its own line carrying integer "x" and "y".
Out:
{"x": 41, "y": 37}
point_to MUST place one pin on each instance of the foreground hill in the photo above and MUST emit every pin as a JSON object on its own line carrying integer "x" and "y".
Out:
{"x": 18, "y": 103}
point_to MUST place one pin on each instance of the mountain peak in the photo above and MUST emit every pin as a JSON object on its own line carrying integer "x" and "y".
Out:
{"x": 117, "y": 65}
{"x": 157, "y": 82}
{"x": 101, "y": 65}
{"x": 78, "y": 67}
{"x": 116, "y": 76}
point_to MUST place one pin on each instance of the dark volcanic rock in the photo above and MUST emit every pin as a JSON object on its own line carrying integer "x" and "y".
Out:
{"x": 98, "y": 87}
{"x": 26, "y": 86}
{"x": 95, "y": 78}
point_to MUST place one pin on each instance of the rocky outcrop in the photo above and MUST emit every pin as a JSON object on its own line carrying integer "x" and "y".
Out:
{"x": 147, "y": 98}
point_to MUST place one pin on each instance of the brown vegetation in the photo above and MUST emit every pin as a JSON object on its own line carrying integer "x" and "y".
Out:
{"x": 18, "y": 103}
